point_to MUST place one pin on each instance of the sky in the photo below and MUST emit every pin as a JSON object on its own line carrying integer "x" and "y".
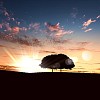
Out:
{"x": 37, "y": 28}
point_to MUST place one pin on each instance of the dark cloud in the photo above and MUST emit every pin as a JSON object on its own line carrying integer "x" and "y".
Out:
{"x": 51, "y": 52}
{"x": 25, "y": 40}
{"x": 61, "y": 41}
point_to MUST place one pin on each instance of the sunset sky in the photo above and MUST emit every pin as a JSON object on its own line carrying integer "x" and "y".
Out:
{"x": 32, "y": 29}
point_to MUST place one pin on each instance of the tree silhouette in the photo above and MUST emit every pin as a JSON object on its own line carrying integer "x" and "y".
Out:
{"x": 59, "y": 61}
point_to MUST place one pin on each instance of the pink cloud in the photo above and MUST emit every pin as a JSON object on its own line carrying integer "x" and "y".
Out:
{"x": 8, "y": 27}
{"x": 51, "y": 27}
{"x": 98, "y": 17}
{"x": 57, "y": 31}
{"x": 88, "y": 30}
{"x": 0, "y": 25}
{"x": 77, "y": 49}
{"x": 60, "y": 33}
{"x": 6, "y": 13}
{"x": 87, "y": 23}
{"x": 35, "y": 26}
{"x": 18, "y": 23}
{"x": 15, "y": 30}
{"x": 23, "y": 29}
{"x": 13, "y": 19}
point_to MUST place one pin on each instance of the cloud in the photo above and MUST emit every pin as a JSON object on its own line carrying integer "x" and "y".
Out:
{"x": 88, "y": 30}
{"x": 51, "y": 27}
{"x": 82, "y": 44}
{"x": 15, "y": 30}
{"x": 51, "y": 52}
{"x": 23, "y": 40}
{"x": 18, "y": 23}
{"x": 61, "y": 41}
{"x": 60, "y": 33}
{"x": 98, "y": 17}
{"x": 33, "y": 42}
{"x": 7, "y": 26}
{"x": 77, "y": 49}
{"x": 87, "y": 23}
{"x": 36, "y": 42}
{"x": 35, "y": 26}
{"x": 24, "y": 29}
{"x": 56, "y": 31}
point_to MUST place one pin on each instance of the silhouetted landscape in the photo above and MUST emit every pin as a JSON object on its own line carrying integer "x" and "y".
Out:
{"x": 50, "y": 40}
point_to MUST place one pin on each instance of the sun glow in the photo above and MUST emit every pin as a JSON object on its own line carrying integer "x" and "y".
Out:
{"x": 29, "y": 65}
{"x": 86, "y": 55}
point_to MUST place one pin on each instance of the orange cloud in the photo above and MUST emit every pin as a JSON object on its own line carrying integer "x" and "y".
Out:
{"x": 15, "y": 30}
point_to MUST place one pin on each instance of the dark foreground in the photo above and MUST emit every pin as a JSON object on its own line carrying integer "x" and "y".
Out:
{"x": 48, "y": 84}
{"x": 46, "y": 76}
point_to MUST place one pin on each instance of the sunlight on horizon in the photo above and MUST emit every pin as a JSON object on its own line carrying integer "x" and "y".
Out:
{"x": 29, "y": 65}
{"x": 86, "y": 55}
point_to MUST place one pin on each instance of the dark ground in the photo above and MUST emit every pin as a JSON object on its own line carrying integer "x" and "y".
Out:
{"x": 52, "y": 84}
{"x": 48, "y": 76}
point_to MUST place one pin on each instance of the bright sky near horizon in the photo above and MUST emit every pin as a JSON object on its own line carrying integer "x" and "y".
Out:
{"x": 36, "y": 28}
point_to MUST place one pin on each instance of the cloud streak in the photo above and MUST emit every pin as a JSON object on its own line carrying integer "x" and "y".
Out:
{"x": 59, "y": 41}
{"x": 57, "y": 31}
{"x": 90, "y": 29}
{"x": 98, "y": 17}
{"x": 83, "y": 43}
{"x": 87, "y": 23}
{"x": 51, "y": 52}
{"x": 23, "y": 40}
